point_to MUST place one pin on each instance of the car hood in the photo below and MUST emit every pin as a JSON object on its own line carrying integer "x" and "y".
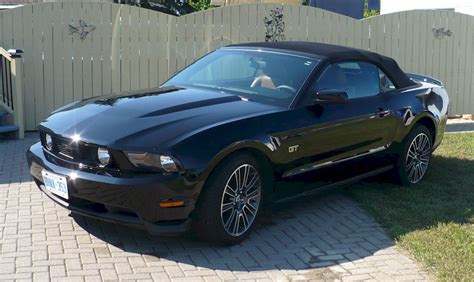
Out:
{"x": 148, "y": 119}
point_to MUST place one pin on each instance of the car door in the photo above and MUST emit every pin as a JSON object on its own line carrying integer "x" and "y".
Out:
{"x": 337, "y": 131}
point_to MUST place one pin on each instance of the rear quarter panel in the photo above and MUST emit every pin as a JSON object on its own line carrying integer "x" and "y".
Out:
{"x": 425, "y": 101}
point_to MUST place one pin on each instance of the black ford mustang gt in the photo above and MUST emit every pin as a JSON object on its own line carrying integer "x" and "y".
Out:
{"x": 205, "y": 149}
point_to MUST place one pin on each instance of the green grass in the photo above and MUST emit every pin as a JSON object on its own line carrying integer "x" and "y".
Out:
{"x": 433, "y": 220}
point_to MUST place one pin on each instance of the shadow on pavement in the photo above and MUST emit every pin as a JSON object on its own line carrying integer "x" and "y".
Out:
{"x": 314, "y": 232}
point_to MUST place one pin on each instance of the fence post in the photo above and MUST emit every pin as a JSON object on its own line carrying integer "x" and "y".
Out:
{"x": 17, "y": 90}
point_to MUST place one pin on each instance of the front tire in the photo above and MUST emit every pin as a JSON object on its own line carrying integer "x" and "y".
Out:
{"x": 414, "y": 157}
{"x": 231, "y": 201}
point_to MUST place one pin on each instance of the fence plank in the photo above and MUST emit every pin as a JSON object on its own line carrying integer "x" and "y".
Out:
{"x": 125, "y": 65}
{"x": 226, "y": 26}
{"x": 86, "y": 53}
{"x": 343, "y": 32}
{"x": 154, "y": 47}
{"x": 199, "y": 37}
{"x": 7, "y": 31}
{"x": 172, "y": 24}
{"x": 134, "y": 48}
{"x": 188, "y": 43}
{"x": 38, "y": 20}
{"x": 77, "y": 54}
{"x": 387, "y": 35}
{"x": 68, "y": 53}
{"x": 217, "y": 28}
{"x": 234, "y": 24}
{"x": 261, "y": 13}
{"x": 1, "y": 31}
{"x": 184, "y": 34}
{"x": 106, "y": 48}
{"x": 456, "y": 103}
{"x": 163, "y": 49}
{"x": 28, "y": 69}
{"x": 366, "y": 34}
{"x": 462, "y": 63}
{"x": 443, "y": 46}
{"x": 425, "y": 32}
{"x": 115, "y": 49}
{"x": 253, "y": 25}
{"x": 48, "y": 78}
{"x": 96, "y": 36}
{"x": 144, "y": 55}
{"x": 243, "y": 23}
{"x": 58, "y": 55}
{"x": 208, "y": 32}
{"x": 470, "y": 78}
{"x": 436, "y": 47}
{"x": 468, "y": 91}
{"x": 448, "y": 81}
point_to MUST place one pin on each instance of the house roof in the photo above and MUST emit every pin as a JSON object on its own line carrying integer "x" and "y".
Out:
{"x": 336, "y": 53}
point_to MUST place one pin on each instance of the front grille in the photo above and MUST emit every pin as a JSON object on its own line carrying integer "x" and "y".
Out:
{"x": 73, "y": 151}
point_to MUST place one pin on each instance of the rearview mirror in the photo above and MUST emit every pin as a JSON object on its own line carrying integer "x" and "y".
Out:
{"x": 331, "y": 95}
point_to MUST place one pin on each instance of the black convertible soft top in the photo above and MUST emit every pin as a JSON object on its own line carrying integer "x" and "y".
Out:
{"x": 336, "y": 53}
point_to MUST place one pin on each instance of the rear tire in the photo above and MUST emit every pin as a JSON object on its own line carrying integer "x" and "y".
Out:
{"x": 414, "y": 157}
{"x": 232, "y": 200}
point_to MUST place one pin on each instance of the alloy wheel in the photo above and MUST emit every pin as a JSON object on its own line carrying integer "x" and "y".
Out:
{"x": 240, "y": 200}
{"x": 418, "y": 158}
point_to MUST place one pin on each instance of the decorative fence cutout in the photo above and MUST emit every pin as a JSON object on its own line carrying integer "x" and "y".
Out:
{"x": 134, "y": 48}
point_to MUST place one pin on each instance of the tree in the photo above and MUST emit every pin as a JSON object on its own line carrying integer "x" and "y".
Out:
{"x": 369, "y": 13}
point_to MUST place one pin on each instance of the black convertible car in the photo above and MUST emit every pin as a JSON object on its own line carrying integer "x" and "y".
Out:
{"x": 204, "y": 150}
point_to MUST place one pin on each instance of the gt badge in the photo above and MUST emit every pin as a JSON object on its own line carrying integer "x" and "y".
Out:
{"x": 293, "y": 149}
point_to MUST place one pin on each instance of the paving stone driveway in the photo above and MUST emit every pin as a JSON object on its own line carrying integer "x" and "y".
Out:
{"x": 325, "y": 238}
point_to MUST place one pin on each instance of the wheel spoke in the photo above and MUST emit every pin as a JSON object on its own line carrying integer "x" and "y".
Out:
{"x": 251, "y": 211}
{"x": 228, "y": 187}
{"x": 238, "y": 180}
{"x": 229, "y": 221}
{"x": 245, "y": 220}
{"x": 238, "y": 210}
{"x": 424, "y": 161}
{"x": 235, "y": 230}
{"x": 231, "y": 195}
{"x": 246, "y": 176}
{"x": 227, "y": 206}
{"x": 411, "y": 172}
{"x": 252, "y": 182}
{"x": 425, "y": 143}
{"x": 254, "y": 193}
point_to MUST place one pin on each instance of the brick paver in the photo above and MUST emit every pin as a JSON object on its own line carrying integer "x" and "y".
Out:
{"x": 325, "y": 238}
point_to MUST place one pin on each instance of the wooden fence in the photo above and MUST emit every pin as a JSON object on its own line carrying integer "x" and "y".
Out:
{"x": 124, "y": 48}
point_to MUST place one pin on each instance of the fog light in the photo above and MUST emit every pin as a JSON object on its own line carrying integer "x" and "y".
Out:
{"x": 103, "y": 156}
{"x": 48, "y": 142}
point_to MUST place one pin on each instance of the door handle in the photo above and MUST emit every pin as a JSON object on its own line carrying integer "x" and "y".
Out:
{"x": 381, "y": 113}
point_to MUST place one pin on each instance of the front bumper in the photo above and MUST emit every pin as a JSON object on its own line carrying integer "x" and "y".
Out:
{"x": 132, "y": 200}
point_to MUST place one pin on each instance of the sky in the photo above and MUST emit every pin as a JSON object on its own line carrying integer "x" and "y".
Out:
{"x": 461, "y": 6}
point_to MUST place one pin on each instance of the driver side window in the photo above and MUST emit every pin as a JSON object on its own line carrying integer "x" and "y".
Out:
{"x": 357, "y": 79}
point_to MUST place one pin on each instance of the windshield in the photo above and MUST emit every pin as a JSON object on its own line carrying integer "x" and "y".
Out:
{"x": 261, "y": 76}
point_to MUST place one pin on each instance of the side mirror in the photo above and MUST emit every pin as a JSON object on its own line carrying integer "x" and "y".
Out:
{"x": 331, "y": 95}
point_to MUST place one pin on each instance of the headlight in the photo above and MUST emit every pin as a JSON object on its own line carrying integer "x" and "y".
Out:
{"x": 149, "y": 160}
{"x": 48, "y": 142}
{"x": 103, "y": 156}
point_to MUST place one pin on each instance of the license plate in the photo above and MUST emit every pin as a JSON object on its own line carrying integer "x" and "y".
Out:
{"x": 55, "y": 183}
